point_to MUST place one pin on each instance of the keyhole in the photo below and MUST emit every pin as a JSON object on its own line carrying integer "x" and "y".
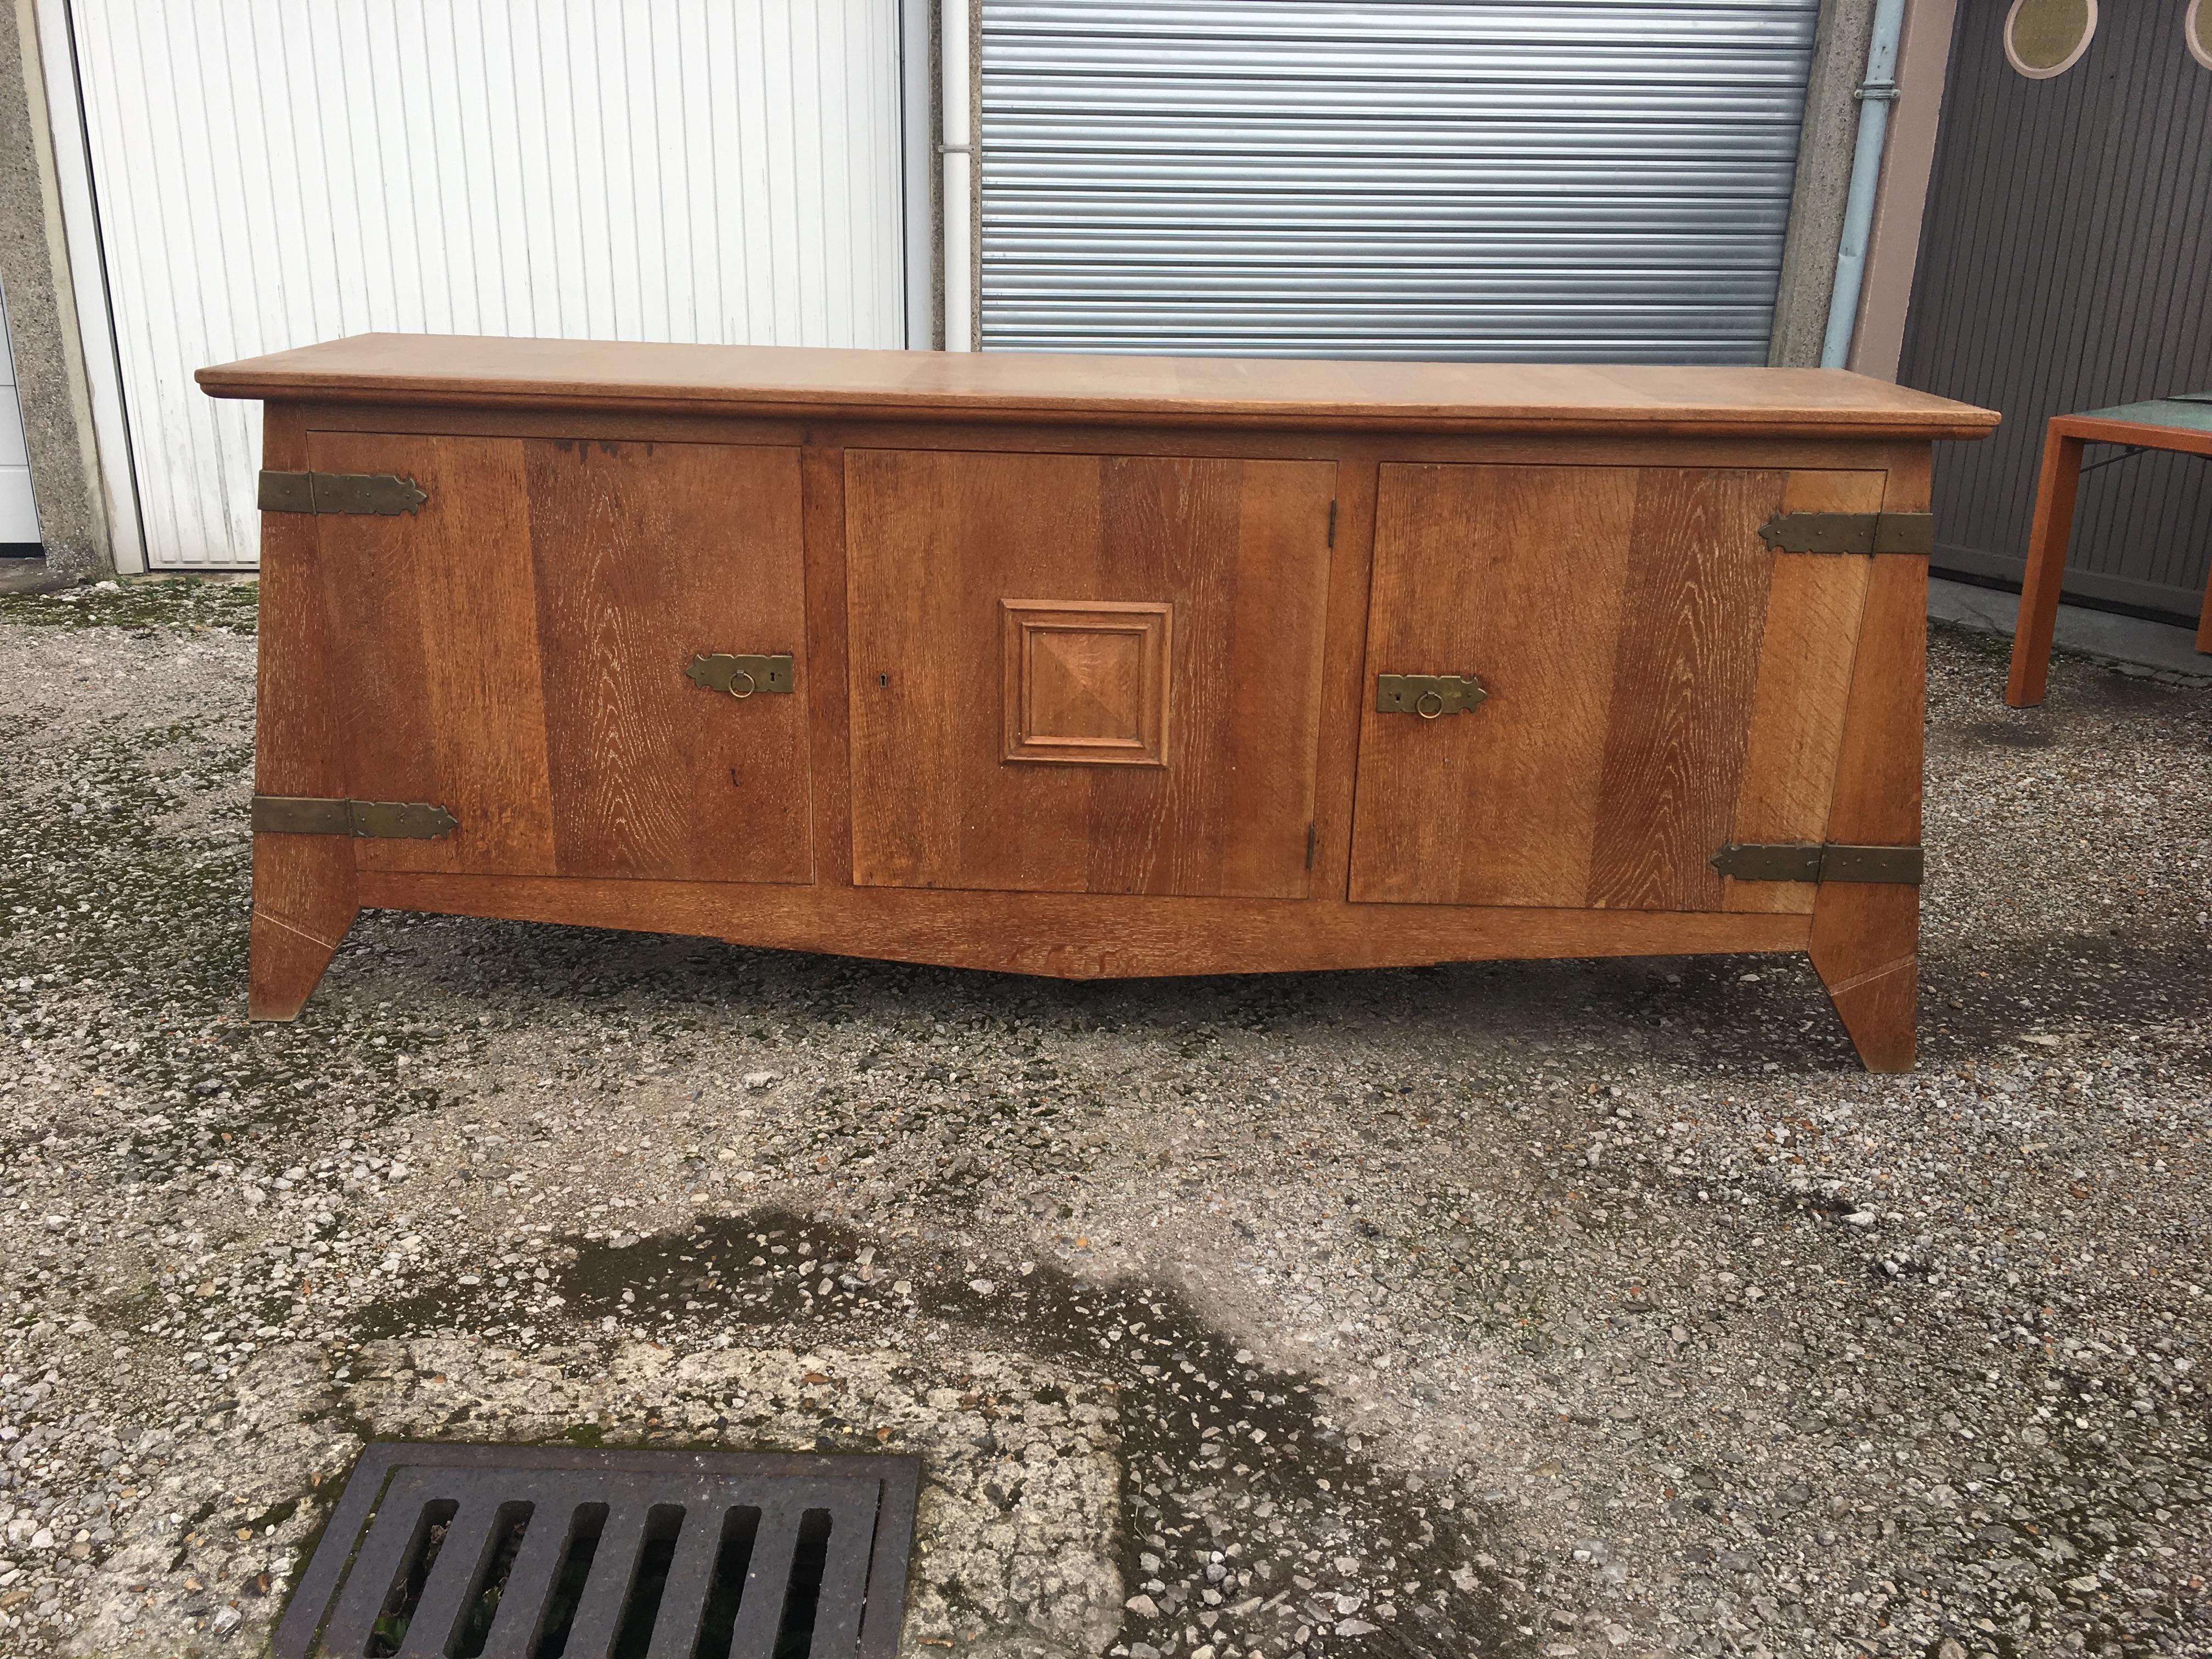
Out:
{"x": 882, "y": 679}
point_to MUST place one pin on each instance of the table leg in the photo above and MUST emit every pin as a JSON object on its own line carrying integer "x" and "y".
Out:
{"x": 2047, "y": 568}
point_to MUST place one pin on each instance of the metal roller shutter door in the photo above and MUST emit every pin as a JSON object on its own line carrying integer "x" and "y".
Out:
{"x": 1562, "y": 180}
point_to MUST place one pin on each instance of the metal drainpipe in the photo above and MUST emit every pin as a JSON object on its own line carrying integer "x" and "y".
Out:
{"x": 1876, "y": 95}
{"x": 957, "y": 153}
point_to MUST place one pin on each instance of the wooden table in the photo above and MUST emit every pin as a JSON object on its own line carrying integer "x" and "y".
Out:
{"x": 1095, "y": 667}
{"x": 2183, "y": 424}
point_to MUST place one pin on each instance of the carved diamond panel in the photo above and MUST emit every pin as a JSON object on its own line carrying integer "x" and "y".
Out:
{"x": 1086, "y": 684}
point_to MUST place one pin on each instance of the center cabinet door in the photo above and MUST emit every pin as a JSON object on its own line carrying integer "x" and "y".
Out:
{"x": 1086, "y": 673}
{"x": 515, "y": 652}
{"x": 1661, "y": 683}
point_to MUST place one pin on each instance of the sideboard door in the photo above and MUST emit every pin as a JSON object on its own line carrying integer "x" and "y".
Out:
{"x": 1086, "y": 673}
{"x": 515, "y": 651}
{"x": 1660, "y": 683}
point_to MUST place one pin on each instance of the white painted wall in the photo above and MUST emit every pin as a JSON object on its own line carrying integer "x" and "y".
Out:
{"x": 267, "y": 174}
{"x": 19, "y": 513}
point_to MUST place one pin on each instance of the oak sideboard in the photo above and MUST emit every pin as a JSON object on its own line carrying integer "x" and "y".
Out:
{"x": 1094, "y": 667}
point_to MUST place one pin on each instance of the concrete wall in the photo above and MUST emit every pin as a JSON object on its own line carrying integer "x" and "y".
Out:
{"x": 1823, "y": 177}
{"x": 34, "y": 269}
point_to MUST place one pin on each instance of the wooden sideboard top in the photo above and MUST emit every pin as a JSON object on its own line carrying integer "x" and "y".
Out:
{"x": 490, "y": 373}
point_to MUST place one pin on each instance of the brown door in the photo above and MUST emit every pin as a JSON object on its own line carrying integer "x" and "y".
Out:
{"x": 1660, "y": 684}
{"x": 1084, "y": 673}
{"x": 515, "y": 652}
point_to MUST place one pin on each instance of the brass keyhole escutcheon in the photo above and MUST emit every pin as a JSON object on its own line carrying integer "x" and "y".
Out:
{"x": 1428, "y": 696}
{"x": 741, "y": 676}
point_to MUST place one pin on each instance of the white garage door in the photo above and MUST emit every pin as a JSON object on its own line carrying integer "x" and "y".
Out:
{"x": 268, "y": 173}
{"x": 1577, "y": 180}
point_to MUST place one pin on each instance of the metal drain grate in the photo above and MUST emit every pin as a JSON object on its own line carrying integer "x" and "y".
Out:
{"x": 534, "y": 1552}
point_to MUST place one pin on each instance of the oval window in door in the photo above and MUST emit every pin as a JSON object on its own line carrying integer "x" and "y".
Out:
{"x": 2044, "y": 38}
{"x": 2196, "y": 29}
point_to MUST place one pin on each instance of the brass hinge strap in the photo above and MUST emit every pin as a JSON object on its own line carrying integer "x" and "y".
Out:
{"x": 1815, "y": 862}
{"x": 387, "y": 820}
{"x": 1850, "y": 533}
{"x": 340, "y": 492}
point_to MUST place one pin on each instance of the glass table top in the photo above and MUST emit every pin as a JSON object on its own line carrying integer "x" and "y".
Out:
{"x": 2188, "y": 411}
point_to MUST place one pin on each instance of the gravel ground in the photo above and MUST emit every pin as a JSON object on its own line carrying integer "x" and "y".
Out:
{"x": 1533, "y": 1309}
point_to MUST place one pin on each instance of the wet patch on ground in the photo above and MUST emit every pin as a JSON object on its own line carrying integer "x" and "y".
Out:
{"x": 1252, "y": 1518}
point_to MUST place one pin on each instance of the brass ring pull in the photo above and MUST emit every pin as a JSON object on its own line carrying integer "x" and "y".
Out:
{"x": 1421, "y": 706}
{"x": 750, "y": 684}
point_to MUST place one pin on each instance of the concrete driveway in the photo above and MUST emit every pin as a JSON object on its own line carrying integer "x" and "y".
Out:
{"x": 1550, "y": 1309}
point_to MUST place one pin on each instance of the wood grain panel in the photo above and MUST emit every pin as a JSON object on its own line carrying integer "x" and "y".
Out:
{"x": 1159, "y": 524}
{"x": 1350, "y": 569}
{"x": 1865, "y": 939}
{"x": 304, "y": 895}
{"x": 439, "y": 637}
{"x": 647, "y": 555}
{"x": 936, "y": 542}
{"x": 1878, "y": 773}
{"x": 1269, "y": 623}
{"x": 1086, "y": 935}
{"x": 1813, "y": 612}
{"x": 1684, "y": 674}
{"x": 932, "y": 543}
{"x": 1513, "y": 574}
{"x": 821, "y": 490}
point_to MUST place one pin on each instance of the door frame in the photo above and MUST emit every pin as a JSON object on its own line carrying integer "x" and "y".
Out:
{"x": 88, "y": 261}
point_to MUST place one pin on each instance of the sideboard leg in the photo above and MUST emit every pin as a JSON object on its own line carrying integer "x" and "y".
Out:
{"x": 303, "y": 903}
{"x": 2046, "y": 569}
{"x": 1865, "y": 948}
